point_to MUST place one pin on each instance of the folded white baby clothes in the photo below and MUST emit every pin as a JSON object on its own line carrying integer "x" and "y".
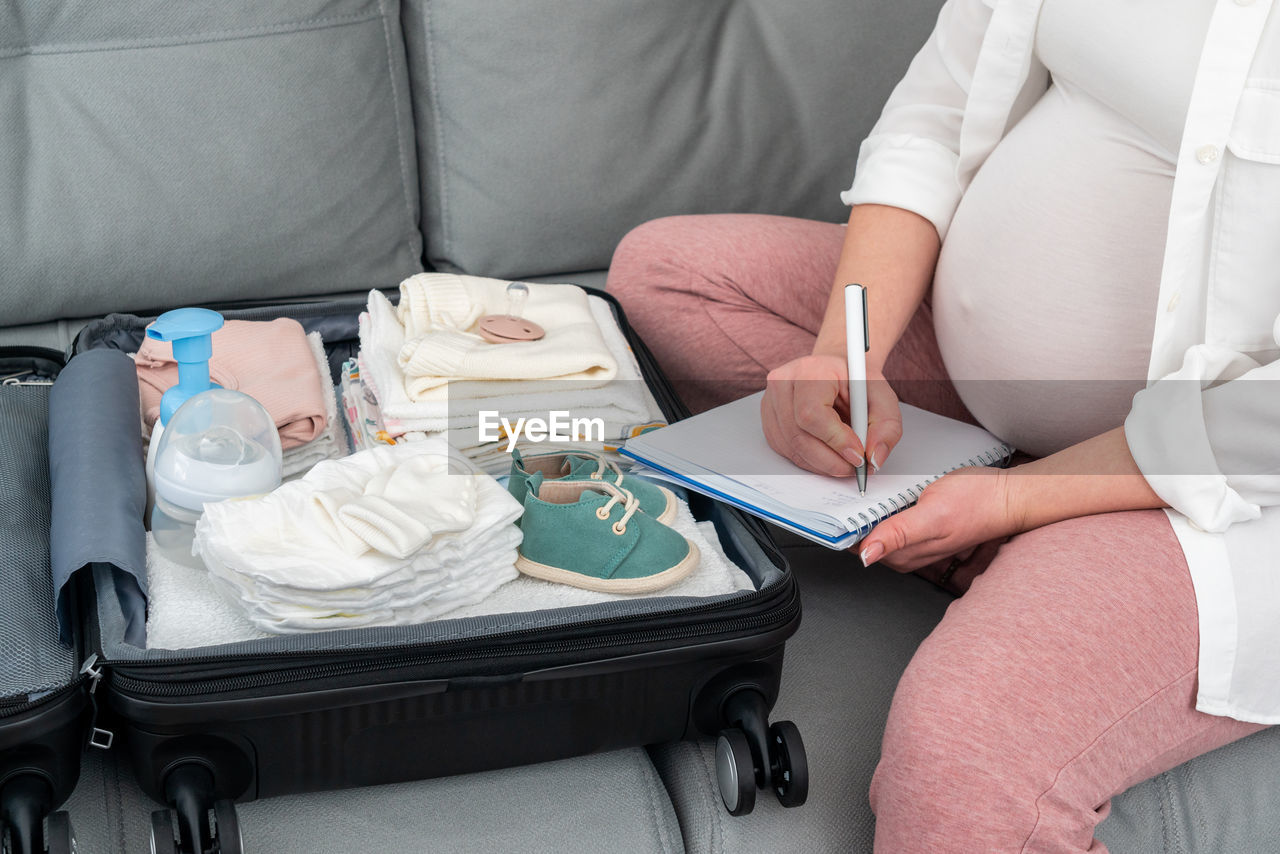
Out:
{"x": 387, "y": 535}
{"x": 332, "y": 441}
{"x": 437, "y": 317}
{"x": 625, "y": 404}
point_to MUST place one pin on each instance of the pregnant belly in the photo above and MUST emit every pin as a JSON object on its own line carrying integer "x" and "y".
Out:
{"x": 1044, "y": 295}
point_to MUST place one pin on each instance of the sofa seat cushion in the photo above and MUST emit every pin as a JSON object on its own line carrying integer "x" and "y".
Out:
{"x": 859, "y": 631}
{"x": 155, "y": 154}
{"x": 606, "y": 802}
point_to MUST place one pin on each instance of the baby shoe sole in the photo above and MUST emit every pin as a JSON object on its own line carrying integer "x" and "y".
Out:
{"x": 648, "y": 584}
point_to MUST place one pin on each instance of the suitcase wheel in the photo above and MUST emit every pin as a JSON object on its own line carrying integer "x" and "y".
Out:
{"x": 25, "y": 800}
{"x": 226, "y": 828}
{"x": 735, "y": 772}
{"x": 189, "y": 788}
{"x": 61, "y": 837}
{"x": 789, "y": 765}
{"x": 751, "y": 754}
{"x": 163, "y": 840}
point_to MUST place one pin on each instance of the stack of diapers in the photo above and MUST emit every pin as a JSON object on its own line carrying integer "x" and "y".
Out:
{"x": 388, "y": 536}
{"x": 423, "y": 368}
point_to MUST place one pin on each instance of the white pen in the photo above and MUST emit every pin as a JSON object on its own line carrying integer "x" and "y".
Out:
{"x": 857, "y": 342}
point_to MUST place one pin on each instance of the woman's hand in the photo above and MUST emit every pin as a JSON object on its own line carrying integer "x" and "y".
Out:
{"x": 971, "y": 506}
{"x": 955, "y": 513}
{"x": 805, "y": 414}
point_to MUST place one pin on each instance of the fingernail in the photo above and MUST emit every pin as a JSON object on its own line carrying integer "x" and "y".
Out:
{"x": 881, "y": 451}
{"x": 852, "y": 456}
{"x": 871, "y": 553}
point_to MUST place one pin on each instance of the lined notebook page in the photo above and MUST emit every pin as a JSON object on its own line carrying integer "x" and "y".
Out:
{"x": 726, "y": 446}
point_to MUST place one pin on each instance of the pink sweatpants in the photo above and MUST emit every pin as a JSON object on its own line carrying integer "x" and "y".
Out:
{"x": 1065, "y": 674}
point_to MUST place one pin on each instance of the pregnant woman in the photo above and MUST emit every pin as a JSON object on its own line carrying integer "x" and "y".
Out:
{"x": 1068, "y": 222}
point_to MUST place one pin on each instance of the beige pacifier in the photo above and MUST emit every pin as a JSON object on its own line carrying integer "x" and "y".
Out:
{"x": 512, "y": 327}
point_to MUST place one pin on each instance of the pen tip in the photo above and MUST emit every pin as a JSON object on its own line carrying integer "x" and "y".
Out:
{"x": 862, "y": 493}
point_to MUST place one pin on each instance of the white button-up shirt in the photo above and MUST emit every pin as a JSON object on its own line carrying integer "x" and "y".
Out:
{"x": 1206, "y": 430}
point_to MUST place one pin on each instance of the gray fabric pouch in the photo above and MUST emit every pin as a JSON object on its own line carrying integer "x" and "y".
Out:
{"x": 98, "y": 482}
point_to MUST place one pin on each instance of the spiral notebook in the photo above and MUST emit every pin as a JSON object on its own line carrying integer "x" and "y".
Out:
{"x": 723, "y": 453}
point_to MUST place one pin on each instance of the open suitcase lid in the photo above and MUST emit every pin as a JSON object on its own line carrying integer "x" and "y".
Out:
{"x": 44, "y": 701}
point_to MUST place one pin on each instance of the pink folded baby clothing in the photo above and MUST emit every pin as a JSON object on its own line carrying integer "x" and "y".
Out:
{"x": 270, "y": 361}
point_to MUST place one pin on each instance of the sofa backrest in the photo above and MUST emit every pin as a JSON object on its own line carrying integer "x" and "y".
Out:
{"x": 548, "y": 129}
{"x": 153, "y": 152}
{"x": 156, "y": 153}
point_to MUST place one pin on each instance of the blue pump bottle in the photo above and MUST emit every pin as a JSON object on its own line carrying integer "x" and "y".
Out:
{"x": 190, "y": 330}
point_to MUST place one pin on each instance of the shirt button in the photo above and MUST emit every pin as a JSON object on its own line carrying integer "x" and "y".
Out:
{"x": 1173, "y": 301}
{"x": 1207, "y": 153}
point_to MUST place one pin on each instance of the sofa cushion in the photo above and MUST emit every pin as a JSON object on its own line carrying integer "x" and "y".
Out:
{"x": 860, "y": 629}
{"x": 547, "y": 130}
{"x": 604, "y": 802}
{"x": 157, "y": 153}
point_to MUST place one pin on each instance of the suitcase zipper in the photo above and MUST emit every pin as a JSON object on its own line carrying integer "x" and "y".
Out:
{"x": 13, "y": 706}
{"x": 165, "y": 687}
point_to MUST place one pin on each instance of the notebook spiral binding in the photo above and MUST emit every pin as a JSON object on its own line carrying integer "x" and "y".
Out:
{"x": 867, "y": 519}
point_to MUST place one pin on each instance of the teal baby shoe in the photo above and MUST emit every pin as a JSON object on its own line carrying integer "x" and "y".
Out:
{"x": 592, "y": 534}
{"x": 656, "y": 501}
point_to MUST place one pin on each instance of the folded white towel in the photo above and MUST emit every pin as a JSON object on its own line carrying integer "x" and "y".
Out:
{"x": 185, "y": 610}
{"x": 439, "y": 344}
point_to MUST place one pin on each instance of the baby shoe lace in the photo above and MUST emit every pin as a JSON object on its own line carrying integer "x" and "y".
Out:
{"x": 618, "y": 496}
{"x": 603, "y": 466}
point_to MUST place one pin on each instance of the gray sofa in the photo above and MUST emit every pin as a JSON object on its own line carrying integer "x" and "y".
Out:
{"x": 154, "y": 154}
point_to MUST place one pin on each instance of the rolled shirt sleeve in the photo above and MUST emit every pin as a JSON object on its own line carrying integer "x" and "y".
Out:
{"x": 910, "y": 159}
{"x": 1204, "y": 437}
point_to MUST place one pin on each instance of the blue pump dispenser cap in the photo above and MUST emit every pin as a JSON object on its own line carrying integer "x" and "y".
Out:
{"x": 189, "y": 330}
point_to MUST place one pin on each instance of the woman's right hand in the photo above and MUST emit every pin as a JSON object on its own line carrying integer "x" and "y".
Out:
{"x": 805, "y": 415}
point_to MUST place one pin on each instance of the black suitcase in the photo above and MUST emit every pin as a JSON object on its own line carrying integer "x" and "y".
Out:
{"x": 210, "y": 726}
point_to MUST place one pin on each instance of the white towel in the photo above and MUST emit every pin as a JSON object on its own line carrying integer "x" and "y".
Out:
{"x": 186, "y": 610}
{"x": 714, "y": 575}
{"x": 625, "y": 404}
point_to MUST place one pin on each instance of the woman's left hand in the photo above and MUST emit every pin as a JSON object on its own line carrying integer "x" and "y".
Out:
{"x": 955, "y": 513}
